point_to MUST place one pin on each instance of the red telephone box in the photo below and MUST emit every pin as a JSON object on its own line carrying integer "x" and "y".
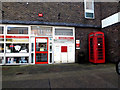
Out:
{"x": 96, "y": 47}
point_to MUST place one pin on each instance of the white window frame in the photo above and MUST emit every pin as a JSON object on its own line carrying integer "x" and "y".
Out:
{"x": 89, "y": 10}
{"x": 3, "y": 54}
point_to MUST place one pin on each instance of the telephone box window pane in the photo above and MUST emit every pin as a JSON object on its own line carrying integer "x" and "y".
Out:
{"x": 1, "y": 48}
{"x": 1, "y": 30}
{"x": 64, "y": 32}
{"x": 41, "y": 57}
{"x": 17, "y": 30}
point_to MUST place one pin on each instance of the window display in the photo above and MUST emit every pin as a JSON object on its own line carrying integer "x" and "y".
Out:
{"x": 1, "y": 48}
{"x": 41, "y": 31}
{"x": 1, "y": 59}
{"x": 1, "y": 30}
{"x": 17, "y": 48}
{"x": 13, "y": 60}
{"x": 17, "y": 30}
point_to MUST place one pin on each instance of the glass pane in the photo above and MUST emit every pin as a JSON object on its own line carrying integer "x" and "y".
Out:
{"x": 17, "y": 48}
{"x": 17, "y": 60}
{"x": 41, "y": 31}
{"x": 1, "y": 30}
{"x": 41, "y": 44}
{"x": 65, "y": 32}
{"x": 89, "y": 15}
{"x": 32, "y": 58}
{"x": 17, "y": 30}
{"x": 1, "y": 39}
{"x": 1, "y": 60}
{"x": 41, "y": 57}
{"x": 32, "y": 47}
{"x": 89, "y": 5}
{"x": 1, "y": 48}
{"x": 50, "y": 57}
{"x": 50, "y": 47}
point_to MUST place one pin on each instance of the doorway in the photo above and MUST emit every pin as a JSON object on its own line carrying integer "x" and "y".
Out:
{"x": 41, "y": 50}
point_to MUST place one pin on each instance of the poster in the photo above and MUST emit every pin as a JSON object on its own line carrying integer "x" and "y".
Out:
{"x": 77, "y": 44}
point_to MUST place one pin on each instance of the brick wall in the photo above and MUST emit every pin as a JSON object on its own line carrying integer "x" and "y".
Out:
{"x": 52, "y": 12}
{"x": 112, "y": 42}
{"x": 82, "y": 35}
{"x": 109, "y": 8}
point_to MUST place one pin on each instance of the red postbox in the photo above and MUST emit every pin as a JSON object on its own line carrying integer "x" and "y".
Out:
{"x": 96, "y": 47}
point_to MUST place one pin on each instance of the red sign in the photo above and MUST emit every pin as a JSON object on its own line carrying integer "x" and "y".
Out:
{"x": 63, "y": 48}
{"x": 1, "y": 36}
{"x": 77, "y": 44}
{"x": 17, "y": 36}
{"x": 66, "y": 37}
{"x": 40, "y": 15}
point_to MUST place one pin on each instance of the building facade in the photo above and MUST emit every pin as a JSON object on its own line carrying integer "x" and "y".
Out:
{"x": 47, "y": 32}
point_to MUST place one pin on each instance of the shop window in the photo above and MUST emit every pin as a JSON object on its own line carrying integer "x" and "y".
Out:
{"x": 1, "y": 60}
{"x": 41, "y": 31}
{"x": 89, "y": 9}
{"x": 17, "y": 48}
{"x": 64, "y": 32}
{"x": 1, "y": 48}
{"x": 14, "y": 60}
{"x": 17, "y": 30}
{"x": 1, "y": 30}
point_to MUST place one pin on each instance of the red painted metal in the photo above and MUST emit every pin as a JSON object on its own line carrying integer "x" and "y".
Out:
{"x": 41, "y": 51}
{"x": 63, "y": 48}
{"x": 17, "y": 36}
{"x": 96, "y": 47}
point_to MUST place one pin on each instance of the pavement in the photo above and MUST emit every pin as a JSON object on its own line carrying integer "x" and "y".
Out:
{"x": 60, "y": 76}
